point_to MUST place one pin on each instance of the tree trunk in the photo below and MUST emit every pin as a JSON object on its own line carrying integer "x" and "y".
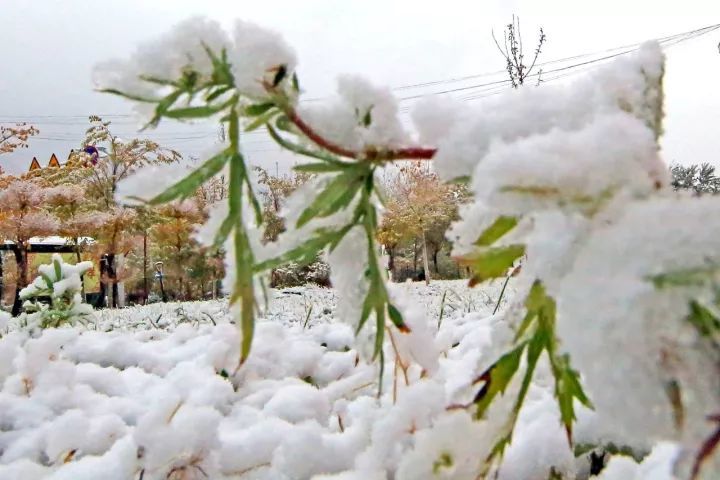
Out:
{"x": 145, "y": 269}
{"x": 435, "y": 261}
{"x": 21, "y": 281}
{"x": 112, "y": 288}
{"x": 391, "y": 262}
{"x": 2, "y": 278}
{"x": 425, "y": 259}
{"x": 415, "y": 255}
{"x": 101, "y": 303}
{"x": 78, "y": 258}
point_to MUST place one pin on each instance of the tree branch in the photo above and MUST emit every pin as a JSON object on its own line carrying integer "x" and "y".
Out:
{"x": 369, "y": 154}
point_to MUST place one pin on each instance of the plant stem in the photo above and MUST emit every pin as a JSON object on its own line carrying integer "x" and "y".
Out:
{"x": 502, "y": 292}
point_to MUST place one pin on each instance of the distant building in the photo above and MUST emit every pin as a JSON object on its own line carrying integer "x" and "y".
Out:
{"x": 53, "y": 162}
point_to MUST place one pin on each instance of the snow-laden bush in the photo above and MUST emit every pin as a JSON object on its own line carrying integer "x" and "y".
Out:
{"x": 618, "y": 287}
{"x": 54, "y": 298}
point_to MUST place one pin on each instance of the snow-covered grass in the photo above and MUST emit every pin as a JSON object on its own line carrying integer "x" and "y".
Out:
{"x": 308, "y": 305}
{"x": 157, "y": 390}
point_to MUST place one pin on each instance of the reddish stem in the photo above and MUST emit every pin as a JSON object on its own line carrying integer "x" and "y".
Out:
{"x": 370, "y": 154}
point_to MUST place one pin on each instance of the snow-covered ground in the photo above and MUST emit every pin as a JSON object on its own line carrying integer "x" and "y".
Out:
{"x": 313, "y": 304}
{"x": 155, "y": 392}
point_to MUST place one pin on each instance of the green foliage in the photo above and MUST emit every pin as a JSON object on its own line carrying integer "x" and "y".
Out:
{"x": 535, "y": 336}
{"x": 704, "y": 318}
{"x": 65, "y": 305}
{"x": 351, "y": 184}
{"x": 492, "y": 262}
{"x": 445, "y": 460}
{"x": 189, "y": 185}
{"x": 494, "y": 232}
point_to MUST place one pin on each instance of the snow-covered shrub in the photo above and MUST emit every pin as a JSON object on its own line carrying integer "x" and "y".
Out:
{"x": 54, "y": 298}
{"x": 614, "y": 295}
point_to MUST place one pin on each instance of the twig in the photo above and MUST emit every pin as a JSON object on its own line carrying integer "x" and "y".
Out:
{"x": 371, "y": 154}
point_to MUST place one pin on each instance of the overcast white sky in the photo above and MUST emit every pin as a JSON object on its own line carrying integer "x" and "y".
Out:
{"x": 50, "y": 47}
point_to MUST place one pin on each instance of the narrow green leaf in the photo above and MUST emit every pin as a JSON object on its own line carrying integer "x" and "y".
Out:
{"x": 58, "y": 270}
{"x": 307, "y": 251}
{"x": 497, "y": 378}
{"x": 261, "y": 120}
{"x": 367, "y": 308}
{"x": 48, "y": 280}
{"x": 258, "y": 109}
{"x": 367, "y": 118}
{"x": 568, "y": 389}
{"x": 705, "y": 321}
{"x": 129, "y": 96}
{"x": 283, "y": 123}
{"x": 187, "y": 186}
{"x": 336, "y": 195}
{"x": 397, "y": 319}
{"x": 295, "y": 82}
{"x": 224, "y": 231}
{"x": 200, "y": 111}
{"x": 494, "y": 232}
{"x": 158, "y": 81}
{"x": 534, "y": 303}
{"x": 318, "y": 168}
{"x": 162, "y": 107}
{"x": 685, "y": 277}
{"x": 492, "y": 262}
{"x": 379, "y": 330}
{"x": 217, "y": 92}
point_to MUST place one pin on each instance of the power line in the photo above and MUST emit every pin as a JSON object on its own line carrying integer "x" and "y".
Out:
{"x": 482, "y": 90}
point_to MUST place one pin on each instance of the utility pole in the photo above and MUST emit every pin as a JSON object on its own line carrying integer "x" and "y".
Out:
{"x": 159, "y": 275}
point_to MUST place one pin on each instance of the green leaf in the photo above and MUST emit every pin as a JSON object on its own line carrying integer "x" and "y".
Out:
{"x": 706, "y": 322}
{"x": 213, "y": 94}
{"x": 379, "y": 330}
{"x": 494, "y": 232}
{"x": 224, "y": 231}
{"x": 158, "y": 81}
{"x": 686, "y": 277}
{"x": 295, "y": 82}
{"x": 397, "y": 319}
{"x": 535, "y": 303}
{"x": 307, "y": 251}
{"x": 611, "y": 448}
{"x": 445, "y": 460}
{"x": 48, "y": 280}
{"x": 199, "y": 112}
{"x": 187, "y": 186}
{"x": 318, "y": 167}
{"x": 568, "y": 389}
{"x": 492, "y": 262}
{"x": 129, "y": 96}
{"x": 336, "y": 195}
{"x": 497, "y": 378}
{"x": 367, "y": 118}
{"x": 261, "y": 120}
{"x": 162, "y": 107}
{"x": 367, "y": 307}
{"x": 58, "y": 269}
{"x": 283, "y": 123}
{"x": 258, "y": 109}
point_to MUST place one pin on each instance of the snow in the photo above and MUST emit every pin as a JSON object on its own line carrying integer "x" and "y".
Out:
{"x": 256, "y": 55}
{"x": 361, "y": 116}
{"x": 161, "y": 391}
{"x": 122, "y": 393}
{"x": 632, "y": 85}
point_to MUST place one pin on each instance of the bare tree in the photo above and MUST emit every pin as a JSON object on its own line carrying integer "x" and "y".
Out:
{"x": 512, "y": 51}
